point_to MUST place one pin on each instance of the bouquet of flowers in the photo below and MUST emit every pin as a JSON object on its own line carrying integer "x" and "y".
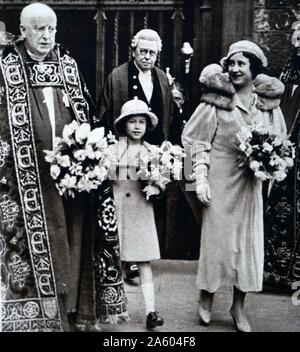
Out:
{"x": 266, "y": 155}
{"x": 78, "y": 159}
{"x": 160, "y": 165}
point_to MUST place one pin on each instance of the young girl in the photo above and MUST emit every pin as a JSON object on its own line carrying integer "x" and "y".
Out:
{"x": 135, "y": 216}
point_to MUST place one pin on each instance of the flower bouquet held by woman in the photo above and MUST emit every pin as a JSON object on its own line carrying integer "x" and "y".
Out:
{"x": 266, "y": 155}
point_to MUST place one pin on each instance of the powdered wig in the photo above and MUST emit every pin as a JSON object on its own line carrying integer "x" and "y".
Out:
{"x": 146, "y": 34}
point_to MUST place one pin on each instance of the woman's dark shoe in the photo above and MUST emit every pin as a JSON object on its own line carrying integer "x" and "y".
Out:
{"x": 241, "y": 325}
{"x": 154, "y": 320}
{"x": 205, "y": 315}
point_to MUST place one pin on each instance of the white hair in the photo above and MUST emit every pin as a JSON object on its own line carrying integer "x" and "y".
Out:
{"x": 36, "y": 8}
{"x": 146, "y": 34}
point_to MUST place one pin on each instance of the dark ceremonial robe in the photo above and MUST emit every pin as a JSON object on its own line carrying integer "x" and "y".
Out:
{"x": 42, "y": 243}
{"x": 282, "y": 218}
{"x": 122, "y": 85}
{"x": 42, "y": 234}
{"x": 183, "y": 207}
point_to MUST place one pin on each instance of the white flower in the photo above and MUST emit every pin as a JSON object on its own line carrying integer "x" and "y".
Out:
{"x": 68, "y": 132}
{"x": 155, "y": 174}
{"x": 254, "y": 165}
{"x": 177, "y": 168}
{"x": 287, "y": 143}
{"x": 68, "y": 181}
{"x": 289, "y": 162}
{"x": 76, "y": 169}
{"x": 64, "y": 160}
{"x": 111, "y": 138}
{"x": 100, "y": 173}
{"x": 166, "y": 158}
{"x": 82, "y": 133}
{"x": 54, "y": 171}
{"x": 95, "y": 135}
{"x": 87, "y": 152}
{"x": 282, "y": 165}
{"x": 61, "y": 190}
{"x": 267, "y": 147}
{"x": 98, "y": 154}
{"x": 50, "y": 156}
{"x": 279, "y": 176}
{"x": 274, "y": 160}
{"x": 178, "y": 151}
{"x": 90, "y": 175}
{"x": 80, "y": 154}
{"x": 85, "y": 184}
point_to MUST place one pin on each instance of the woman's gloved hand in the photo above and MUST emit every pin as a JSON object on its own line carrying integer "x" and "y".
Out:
{"x": 203, "y": 192}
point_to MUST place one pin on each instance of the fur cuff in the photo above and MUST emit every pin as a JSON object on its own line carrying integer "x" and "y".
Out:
{"x": 269, "y": 91}
{"x": 268, "y": 87}
{"x": 267, "y": 104}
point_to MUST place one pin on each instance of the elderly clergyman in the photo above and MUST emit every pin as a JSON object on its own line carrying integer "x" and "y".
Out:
{"x": 39, "y": 80}
{"x": 41, "y": 232}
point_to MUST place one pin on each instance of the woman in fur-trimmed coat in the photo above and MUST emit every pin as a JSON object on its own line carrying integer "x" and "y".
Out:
{"x": 232, "y": 242}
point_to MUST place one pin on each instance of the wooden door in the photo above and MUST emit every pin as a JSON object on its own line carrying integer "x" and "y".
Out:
{"x": 216, "y": 25}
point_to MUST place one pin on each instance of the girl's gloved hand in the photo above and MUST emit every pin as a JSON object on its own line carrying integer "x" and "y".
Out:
{"x": 151, "y": 190}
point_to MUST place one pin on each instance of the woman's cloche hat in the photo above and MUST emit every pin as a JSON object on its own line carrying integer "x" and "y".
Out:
{"x": 248, "y": 47}
{"x": 136, "y": 107}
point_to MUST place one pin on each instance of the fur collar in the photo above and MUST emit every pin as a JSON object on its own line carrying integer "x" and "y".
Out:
{"x": 219, "y": 91}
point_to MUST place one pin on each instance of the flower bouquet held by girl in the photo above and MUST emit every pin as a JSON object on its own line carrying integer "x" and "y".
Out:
{"x": 264, "y": 154}
{"x": 160, "y": 165}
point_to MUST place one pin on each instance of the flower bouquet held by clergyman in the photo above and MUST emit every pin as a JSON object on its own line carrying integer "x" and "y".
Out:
{"x": 266, "y": 156}
{"x": 160, "y": 165}
{"x": 78, "y": 159}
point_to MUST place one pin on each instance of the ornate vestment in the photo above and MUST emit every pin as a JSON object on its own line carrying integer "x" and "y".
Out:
{"x": 42, "y": 235}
